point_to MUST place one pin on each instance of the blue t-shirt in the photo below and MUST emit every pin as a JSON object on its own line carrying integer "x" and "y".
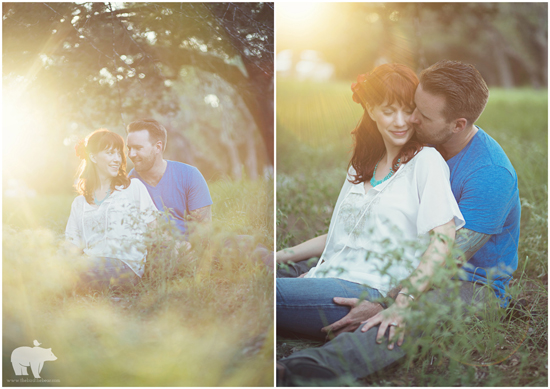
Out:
{"x": 181, "y": 189}
{"x": 485, "y": 186}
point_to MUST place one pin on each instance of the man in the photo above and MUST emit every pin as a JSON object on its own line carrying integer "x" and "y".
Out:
{"x": 449, "y": 99}
{"x": 177, "y": 187}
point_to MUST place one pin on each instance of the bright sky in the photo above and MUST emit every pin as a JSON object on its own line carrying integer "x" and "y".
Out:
{"x": 304, "y": 23}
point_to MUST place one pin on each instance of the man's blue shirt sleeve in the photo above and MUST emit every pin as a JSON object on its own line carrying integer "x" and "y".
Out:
{"x": 484, "y": 199}
{"x": 198, "y": 195}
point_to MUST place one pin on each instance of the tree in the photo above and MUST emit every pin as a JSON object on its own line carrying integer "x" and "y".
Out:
{"x": 123, "y": 58}
{"x": 507, "y": 42}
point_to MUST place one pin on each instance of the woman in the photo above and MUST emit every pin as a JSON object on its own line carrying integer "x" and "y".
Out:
{"x": 397, "y": 194}
{"x": 111, "y": 214}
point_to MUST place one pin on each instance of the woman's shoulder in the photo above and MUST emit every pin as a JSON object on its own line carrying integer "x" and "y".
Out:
{"x": 430, "y": 162}
{"x": 135, "y": 185}
{"x": 429, "y": 154}
{"x": 429, "y": 151}
{"x": 79, "y": 199}
{"x": 78, "y": 202}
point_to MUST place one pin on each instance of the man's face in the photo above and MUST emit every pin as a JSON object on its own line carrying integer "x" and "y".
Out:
{"x": 427, "y": 119}
{"x": 141, "y": 151}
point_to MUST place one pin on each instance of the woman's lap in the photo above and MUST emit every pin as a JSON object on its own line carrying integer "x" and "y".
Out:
{"x": 104, "y": 273}
{"x": 305, "y": 305}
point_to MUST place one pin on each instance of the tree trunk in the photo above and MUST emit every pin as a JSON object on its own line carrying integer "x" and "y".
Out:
{"x": 505, "y": 74}
{"x": 251, "y": 158}
{"x": 236, "y": 165}
{"x": 421, "y": 62}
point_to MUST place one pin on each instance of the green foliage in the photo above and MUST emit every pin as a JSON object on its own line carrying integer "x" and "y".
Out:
{"x": 498, "y": 350}
{"x": 72, "y": 68}
{"x": 50, "y": 211}
{"x": 196, "y": 319}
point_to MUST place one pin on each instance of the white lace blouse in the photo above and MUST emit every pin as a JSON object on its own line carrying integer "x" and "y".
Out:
{"x": 377, "y": 238}
{"x": 115, "y": 228}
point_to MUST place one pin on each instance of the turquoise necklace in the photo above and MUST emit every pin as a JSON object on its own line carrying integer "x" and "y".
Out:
{"x": 98, "y": 203}
{"x": 374, "y": 181}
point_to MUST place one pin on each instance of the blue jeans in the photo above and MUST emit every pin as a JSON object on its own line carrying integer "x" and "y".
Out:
{"x": 104, "y": 273}
{"x": 358, "y": 354}
{"x": 304, "y": 305}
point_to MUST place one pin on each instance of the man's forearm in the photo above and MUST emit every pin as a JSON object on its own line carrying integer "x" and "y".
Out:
{"x": 202, "y": 218}
{"x": 468, "y": 243}
{"x": 201, "y": 215}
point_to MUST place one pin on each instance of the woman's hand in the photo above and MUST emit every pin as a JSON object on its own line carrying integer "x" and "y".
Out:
{"x": 392, "y": 317}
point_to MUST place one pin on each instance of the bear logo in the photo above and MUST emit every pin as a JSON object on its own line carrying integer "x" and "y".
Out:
{"x": 33, "y": 357}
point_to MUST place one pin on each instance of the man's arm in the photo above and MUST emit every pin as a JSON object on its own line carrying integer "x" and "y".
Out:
{"x": 467, "y": 241}
{"x": 201, "y": 215}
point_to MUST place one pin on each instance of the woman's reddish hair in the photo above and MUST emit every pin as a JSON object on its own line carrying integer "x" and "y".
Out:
{"x": 386, "y": 84}
{"x": 88, "y": 180}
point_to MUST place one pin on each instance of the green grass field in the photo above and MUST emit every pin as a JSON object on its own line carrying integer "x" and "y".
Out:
{"x": 193, "y": 323}
{"x": 314, "y": 121}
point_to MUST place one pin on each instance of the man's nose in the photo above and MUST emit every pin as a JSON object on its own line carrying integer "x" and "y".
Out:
{"x": 131, "y": 153}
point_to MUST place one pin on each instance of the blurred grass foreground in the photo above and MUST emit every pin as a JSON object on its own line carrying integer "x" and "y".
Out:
{"x": 313, "y": 140}
{"x": 211, "y": 325}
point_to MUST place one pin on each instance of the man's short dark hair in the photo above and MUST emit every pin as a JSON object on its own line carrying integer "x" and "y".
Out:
{"x": 156, "y": 130}
{"x": 464, "y": 89}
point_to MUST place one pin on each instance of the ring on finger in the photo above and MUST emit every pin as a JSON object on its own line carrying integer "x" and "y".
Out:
{"x": 394, "y": 324}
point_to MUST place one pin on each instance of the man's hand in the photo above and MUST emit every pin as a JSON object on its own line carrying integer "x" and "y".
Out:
{"x": 182, "y": 248}
{"x": 360, "y": 311}
{"x": 392, "y": 317}
{"x": 201, "y": 215}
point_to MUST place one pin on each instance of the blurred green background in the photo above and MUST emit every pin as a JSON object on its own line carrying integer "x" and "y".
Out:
{"x": 507, "y": 42}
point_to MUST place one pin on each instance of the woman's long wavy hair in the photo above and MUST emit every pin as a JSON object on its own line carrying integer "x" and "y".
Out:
{"x": 88, "y": 179}
{"x": 386, "y": 84}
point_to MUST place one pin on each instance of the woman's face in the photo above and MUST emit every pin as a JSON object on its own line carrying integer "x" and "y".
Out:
{"x": 107, "y": 162}
{"x": 393, "y": 123}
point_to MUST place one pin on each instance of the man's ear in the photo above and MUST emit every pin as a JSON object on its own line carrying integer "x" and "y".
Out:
{"x": 159, "y": 146}
{"x": 460, "y": 125}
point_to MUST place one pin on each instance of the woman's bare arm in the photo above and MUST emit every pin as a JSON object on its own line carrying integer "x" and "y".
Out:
{"x": 311, "y": 248}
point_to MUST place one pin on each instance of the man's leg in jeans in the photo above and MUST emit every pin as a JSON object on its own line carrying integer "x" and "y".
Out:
{"x": 358, "y": 354}
{"x": 293, "y": 270}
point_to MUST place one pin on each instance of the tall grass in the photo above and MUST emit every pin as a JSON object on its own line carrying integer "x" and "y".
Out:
{"x": 313, "y": 143}
{"x": 207, "y": 320}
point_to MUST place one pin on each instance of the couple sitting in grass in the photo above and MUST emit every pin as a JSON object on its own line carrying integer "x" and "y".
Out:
{"x": 402, "y": 208}
{"x": 114, "y": 211}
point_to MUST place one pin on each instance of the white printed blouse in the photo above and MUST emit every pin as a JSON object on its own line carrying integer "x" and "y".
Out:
{"x": 115, "y": 228}
{"x": 377, "y": 238}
